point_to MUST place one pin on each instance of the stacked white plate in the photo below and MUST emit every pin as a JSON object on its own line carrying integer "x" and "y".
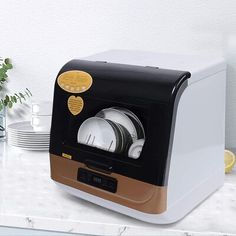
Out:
{"x": 23, "y": 135}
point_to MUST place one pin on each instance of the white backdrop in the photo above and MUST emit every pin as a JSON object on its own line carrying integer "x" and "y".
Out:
{"x": 40, "y": 36}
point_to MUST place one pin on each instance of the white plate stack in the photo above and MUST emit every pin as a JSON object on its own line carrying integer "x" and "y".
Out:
{"x": 35, "y": 134}
{"x": 23, "y": 135}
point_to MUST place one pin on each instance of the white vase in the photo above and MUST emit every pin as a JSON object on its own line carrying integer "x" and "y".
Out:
{"x": 3, "y": 124}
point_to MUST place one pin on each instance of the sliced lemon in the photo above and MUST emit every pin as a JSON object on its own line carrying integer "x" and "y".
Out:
{"x": 229, "y": 161}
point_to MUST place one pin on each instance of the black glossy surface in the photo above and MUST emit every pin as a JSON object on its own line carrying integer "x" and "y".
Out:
{"x": 148, "y": 92}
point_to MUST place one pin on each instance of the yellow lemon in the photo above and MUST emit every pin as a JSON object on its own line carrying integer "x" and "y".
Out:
{"x": 229, "y": 161}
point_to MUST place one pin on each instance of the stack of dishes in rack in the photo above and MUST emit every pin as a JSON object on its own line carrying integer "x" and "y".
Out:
{"x": 34, "y": 134}
{"x": 113, "y": 129}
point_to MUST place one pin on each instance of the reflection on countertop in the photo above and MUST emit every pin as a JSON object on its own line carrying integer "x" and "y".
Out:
{"x": 30, "y": 199}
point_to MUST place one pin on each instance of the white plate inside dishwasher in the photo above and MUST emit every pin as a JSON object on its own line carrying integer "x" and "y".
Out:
{"x": 120, "y": 118}
{"x": 99, "y": 133}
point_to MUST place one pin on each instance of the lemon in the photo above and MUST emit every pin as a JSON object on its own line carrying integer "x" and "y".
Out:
{"x": 229, "y": 161}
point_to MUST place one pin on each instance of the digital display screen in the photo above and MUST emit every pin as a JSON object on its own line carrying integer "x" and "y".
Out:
{"x": 97, "y": 179}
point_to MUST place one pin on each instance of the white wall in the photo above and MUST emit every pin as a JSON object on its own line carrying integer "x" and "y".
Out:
{"x": 40, "y": 36}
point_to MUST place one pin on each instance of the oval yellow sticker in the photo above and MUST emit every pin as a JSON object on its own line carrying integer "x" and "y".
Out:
{"x": 75, "y": 81}
{"x": 75, "y": 105}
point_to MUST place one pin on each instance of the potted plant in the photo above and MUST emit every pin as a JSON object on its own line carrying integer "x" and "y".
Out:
{"x": 7, "y": 101}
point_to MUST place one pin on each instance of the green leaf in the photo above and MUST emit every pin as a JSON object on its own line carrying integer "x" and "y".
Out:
{"x": 7, "y": 61}
{"x": 9, "y": 66}
{"x": 29, "y": 92}
{"x": 7, "y": 99}
{"x": 14, "y": 99}
{"x": 18, "y": 97}
{"x": 10, "y": 100}
{"x": 5, "y": 102}
{"x": 4, "y": 67}
{"x": 22, "y": 96}
{"x": 10, "y": 104}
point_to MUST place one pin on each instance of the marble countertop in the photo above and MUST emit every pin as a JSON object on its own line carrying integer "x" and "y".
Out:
{"x": 30, "y": 199}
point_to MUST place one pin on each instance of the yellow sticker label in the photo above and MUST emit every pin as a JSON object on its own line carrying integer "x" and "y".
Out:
{"x": 68, "y": 156}
{"x": 75, "y": 105}
{"x": 75, "y": 81}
